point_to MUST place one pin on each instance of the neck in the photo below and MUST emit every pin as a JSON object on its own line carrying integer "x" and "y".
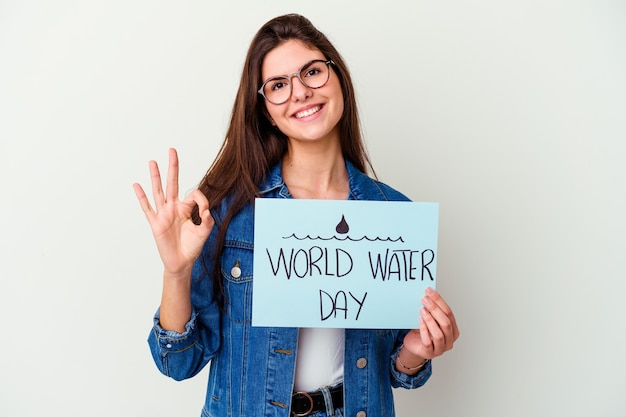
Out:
{"x": 316, "y": 173}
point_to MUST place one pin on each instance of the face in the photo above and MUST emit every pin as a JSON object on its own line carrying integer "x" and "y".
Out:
{"x": 309, "y": 115}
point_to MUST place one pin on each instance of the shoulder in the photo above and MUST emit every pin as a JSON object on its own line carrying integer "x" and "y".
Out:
{"x": 362, "y": 187}
{"x": 238, "y": 224}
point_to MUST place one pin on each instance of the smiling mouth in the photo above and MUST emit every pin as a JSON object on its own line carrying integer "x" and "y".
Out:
{"x": 307, "y": 112}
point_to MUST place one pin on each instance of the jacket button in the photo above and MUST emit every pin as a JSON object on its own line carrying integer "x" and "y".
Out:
{"x": 361, "y": 363}
{"x": 236, "y": 271}
{"x": 361, "y": 414}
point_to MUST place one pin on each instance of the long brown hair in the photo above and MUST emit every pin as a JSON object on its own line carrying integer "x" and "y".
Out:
{"x": 252, "y": 145}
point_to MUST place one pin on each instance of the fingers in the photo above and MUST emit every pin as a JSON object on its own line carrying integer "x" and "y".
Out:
{"x": 439, "y": 322}
{"x": 143, "y": 200}
{"x": 434, "y": 332}
{"x": 443, "y": 308}
{"x": 196, "y": 197}
{"x": 172, "y": 176}
{"x": 157, "y": 189}
{"x": 427, "y": 341}
{"x": 171, "y": 190}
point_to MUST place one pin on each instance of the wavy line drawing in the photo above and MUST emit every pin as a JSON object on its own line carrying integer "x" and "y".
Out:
{"x": 309, "y": 237}
{"x": 343, "y": 229}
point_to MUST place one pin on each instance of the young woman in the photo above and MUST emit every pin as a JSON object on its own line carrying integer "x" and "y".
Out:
{"x": 294, "y": 133}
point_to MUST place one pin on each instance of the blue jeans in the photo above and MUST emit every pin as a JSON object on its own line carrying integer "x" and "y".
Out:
{"x": 338, "y": 413}
{"x": 330, "y": 412}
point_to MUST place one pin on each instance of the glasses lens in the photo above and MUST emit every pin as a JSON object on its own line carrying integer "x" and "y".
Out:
{"x": 315, "y": 74}
{"x": 277, "y": 90}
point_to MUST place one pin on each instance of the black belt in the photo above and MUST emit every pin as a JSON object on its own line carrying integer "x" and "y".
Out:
{"x": 305, "y": 403}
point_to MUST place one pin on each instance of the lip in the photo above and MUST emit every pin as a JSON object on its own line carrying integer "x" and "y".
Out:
{"x": 305, "y": 108}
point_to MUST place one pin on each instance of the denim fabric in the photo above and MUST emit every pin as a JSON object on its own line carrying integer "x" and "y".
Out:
{"x": 330, "y": 410}
{"x": 338, "y": 413}
{"x": 252, "y": 368}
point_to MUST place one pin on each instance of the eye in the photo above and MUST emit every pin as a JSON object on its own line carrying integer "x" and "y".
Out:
{"x": 277, "y": 85}
{"x": 312, "y": 71}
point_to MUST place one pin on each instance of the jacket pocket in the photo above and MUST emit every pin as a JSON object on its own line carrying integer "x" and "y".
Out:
{"x": 236, "y": 268}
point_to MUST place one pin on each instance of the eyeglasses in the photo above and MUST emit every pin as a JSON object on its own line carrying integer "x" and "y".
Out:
{"x": 313, "y": 74}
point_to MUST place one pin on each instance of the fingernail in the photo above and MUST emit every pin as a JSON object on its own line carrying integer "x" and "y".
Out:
{"x": 429, "y": 291}
{"x": 426, "y": 301}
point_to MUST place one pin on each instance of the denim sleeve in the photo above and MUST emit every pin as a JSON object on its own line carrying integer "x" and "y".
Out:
{"x": 183, "y": 355}
{"x": 400, "y": 379}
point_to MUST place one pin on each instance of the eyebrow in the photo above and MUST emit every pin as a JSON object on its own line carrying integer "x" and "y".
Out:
{"x": 295, "y": 72}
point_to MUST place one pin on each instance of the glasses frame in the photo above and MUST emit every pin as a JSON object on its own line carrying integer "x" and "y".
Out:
{"x": 289, "y": 77}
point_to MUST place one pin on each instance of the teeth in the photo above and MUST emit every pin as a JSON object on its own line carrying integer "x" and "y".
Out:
{"x": 308, "y": 112}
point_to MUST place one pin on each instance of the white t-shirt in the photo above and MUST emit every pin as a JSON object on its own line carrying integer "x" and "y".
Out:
{"x": 319, "y": 360}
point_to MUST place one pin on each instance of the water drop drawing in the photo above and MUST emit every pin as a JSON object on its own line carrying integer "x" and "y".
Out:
{"x": 342, "y": 228}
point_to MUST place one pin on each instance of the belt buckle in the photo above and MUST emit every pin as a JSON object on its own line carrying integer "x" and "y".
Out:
{"x": 305, "y": 413}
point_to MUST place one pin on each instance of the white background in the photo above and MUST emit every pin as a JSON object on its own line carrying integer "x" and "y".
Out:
{"x": 510, "y": 114}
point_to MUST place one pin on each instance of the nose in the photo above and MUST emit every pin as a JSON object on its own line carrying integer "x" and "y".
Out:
{"x": 299, "y": 91}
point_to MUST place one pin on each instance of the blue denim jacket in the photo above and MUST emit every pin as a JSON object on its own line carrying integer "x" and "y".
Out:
{"x": 252, "y": 368}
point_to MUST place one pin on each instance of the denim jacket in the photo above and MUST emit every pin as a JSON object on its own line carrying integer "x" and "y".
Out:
{"x": 252, "y": 368}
